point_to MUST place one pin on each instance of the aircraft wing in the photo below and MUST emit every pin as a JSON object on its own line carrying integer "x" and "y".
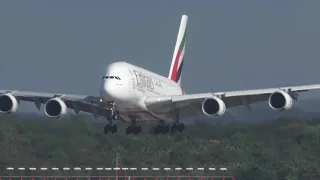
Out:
{"x": 89, "y": 104}
{"x": 230, "y": 98}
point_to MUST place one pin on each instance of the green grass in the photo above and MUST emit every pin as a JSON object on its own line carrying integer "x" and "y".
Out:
{"x": 286, "y": 148}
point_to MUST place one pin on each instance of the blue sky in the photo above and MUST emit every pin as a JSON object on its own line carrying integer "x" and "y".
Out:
{"x": 63, "y": 46}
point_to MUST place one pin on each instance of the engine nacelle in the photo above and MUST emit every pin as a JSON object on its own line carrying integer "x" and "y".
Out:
{"x": 213, "y": 107}
{"x": 8, "y": 104}
{"x": 280, "y": 101}
{"x": 55, "y": 108}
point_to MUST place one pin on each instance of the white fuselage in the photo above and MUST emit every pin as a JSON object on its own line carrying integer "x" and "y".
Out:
{"x": 128, "y": 85}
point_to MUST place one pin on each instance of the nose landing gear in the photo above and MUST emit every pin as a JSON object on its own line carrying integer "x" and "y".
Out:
{"x": 112, "y": 115}
{"x": 112, "y": 128}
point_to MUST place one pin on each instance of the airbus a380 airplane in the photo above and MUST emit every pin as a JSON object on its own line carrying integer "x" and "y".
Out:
{"x": 131, "y": 93}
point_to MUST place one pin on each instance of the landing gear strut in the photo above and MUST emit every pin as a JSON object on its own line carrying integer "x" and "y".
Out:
{"x": 111, "y": 126}
{"x": 177, "y": 126}
{"x": 133, "y": 128}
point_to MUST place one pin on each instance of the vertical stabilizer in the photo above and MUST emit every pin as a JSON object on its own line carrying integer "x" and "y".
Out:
{"x": 178, "y": 54}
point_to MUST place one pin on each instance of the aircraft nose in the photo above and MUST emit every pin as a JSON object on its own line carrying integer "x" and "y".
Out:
{"x": 108, "y": 92}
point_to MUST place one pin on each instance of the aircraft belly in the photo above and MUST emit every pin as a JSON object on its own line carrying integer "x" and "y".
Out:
{"x": 140, "y": 115}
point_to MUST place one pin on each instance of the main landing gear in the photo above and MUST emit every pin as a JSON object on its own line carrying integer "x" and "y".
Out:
{"x": 162, "y": 128}
{"x": 165, "y": 128}
{"x": 177, "y": 127}
{"x": 111, "y": 126}
{"x": 133, "y": 128}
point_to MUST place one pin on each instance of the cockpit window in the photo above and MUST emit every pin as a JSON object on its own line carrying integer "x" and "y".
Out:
{"x": 111, "y": 77}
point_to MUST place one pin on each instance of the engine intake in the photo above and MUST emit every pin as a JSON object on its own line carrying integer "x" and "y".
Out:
{"x": 213, "y": 107}
{"x": 8, "y": 103}
{"x": 55, "y": 108}
{"x": 280, "y": 101}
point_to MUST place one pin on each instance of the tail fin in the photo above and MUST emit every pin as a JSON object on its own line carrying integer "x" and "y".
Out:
{"x": 177, "y": 59}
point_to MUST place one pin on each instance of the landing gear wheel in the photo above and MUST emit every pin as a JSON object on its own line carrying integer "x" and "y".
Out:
{"x": 138, "y": 130}
{"x": 133, "y": 130}
{"x": 156, "y": 130}
{"x": 181, "y": 127}
{"x": 128, "y": 130}
{"x": 163, "y": 129}
{"x": 174, "y": 128}
{"x": 114, "y": 129}
{"x": 177, "y": 128}
{"x": 110, "y": 128}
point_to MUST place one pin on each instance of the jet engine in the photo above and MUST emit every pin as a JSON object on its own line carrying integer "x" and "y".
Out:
{"x": 213, "y": 107}
{"x": 8, "y": 104}
{"x": 280, "y": 101}
{"x": 55, "y": 108}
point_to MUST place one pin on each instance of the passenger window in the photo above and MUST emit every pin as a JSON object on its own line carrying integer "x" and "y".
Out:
{"x": 111, "y": 77}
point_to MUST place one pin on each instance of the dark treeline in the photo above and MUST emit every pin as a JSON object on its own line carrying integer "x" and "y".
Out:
{"x": 282, "y": 149}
